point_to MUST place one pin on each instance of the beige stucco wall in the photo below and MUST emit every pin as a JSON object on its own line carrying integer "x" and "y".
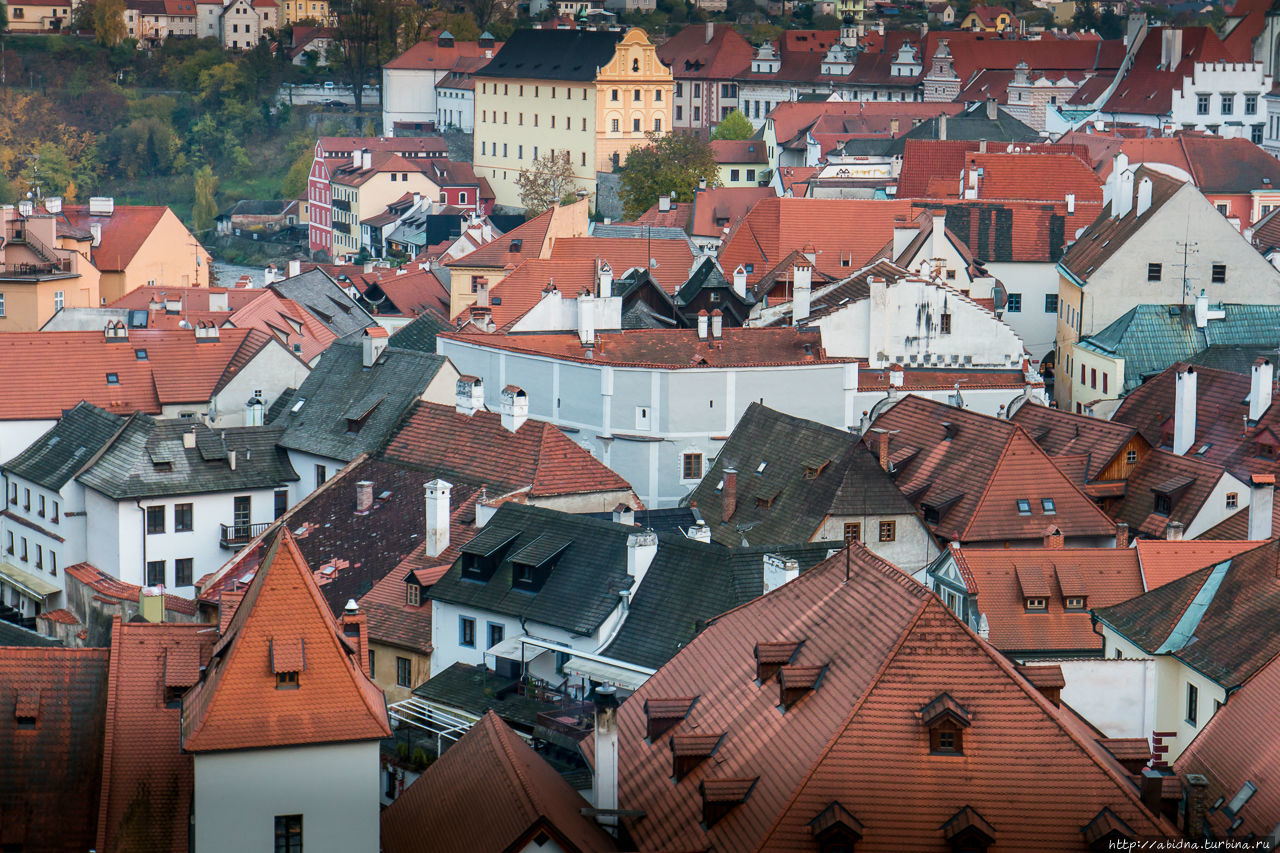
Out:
{"x": 168, "y": 258}
{"x": 385, "y": 668}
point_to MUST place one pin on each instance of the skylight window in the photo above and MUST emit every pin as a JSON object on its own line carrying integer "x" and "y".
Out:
{"x": 1242, "y": 796}
{"x": 760, "y": 470}
{"x": 113, "y": 379}
{"x": 298, "y": 405}
{"x": 1048, "y": 506}
{"x": 1024, "y": 506}
{"x": 140, "y": 354}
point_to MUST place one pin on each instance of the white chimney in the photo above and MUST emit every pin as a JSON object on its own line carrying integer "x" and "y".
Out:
{"x": 1144, "y": 196}
{"x": 711, "y": 31}
{"x": 295, "y": 268}
{"x": 642, "y": 547}
{"x": 778, "y": 571}
{"x": 586, "y": 318}
{"x": 1262, "y": 488}
{"x": 802, "y": 278}
{"x": 1173, "y": 531}
{"x": 53, "y": 204}
{"x": 95, "y": 230}
{"x": 1071, "y": 202}
{"x": 624, "y": 514}
{"x": 375, "y": 341}
{"x": 703, "y": 320}
{"x": 189, "y": 439}
{"x": 717, "y": 324}
{"x": 1184, "y": 411}
{"x": 514, "y": 408}
{"x": 1261, "y": 380}
{"x": 664, "y": 203}
{"x": 469, "y": 395}
{"x": 604, "y": 783}
{"x": 364, "y": 497}
{"x": 699, "y": 532}
{"x": 218, "y": 300}
{"x": 740, "y": 281}
{"x": 605, "y": 281}
{"x": 437, "y": 495}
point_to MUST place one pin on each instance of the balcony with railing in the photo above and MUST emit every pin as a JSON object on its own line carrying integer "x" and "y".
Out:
{"x": 235, "y": 536}
{"x": 46, "y": 260}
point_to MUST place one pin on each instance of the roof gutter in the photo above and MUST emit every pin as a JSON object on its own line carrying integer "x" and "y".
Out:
{"x": 1070, "y": 275}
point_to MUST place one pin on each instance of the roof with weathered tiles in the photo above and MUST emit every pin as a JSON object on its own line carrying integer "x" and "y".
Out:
{"x": 55, "y": 457}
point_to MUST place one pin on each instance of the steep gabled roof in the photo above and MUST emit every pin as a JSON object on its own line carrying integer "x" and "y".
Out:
{"x": 517, "y": 245}
{"x": 803, "y": 471}
{"x": 1061, "y": 433}
{"x": 674, "y": 257}
{"x": 420, "y": 334}
{"x": 237, "y": 704}
{"x": 975, "y": 478}
{"x": 123, "y": 232}
{"x": 1107, "y": 235}
{"x": 144, "y": 772}
{"x": 433, "y": 54}
{"x": 477, "y": 449}
{"x": 52, "y": 764}
{"x": 320, "y": 296}
{"x": 490, "y": 791}
{"x": 691, "y": 54}
{"x": 857, "y": 728}
{"x": 55, "y": 457}
{"x": 1229, "y": 753}
{"x": 341, "y": 390}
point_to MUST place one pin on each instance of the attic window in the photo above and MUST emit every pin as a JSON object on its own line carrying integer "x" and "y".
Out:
{"x": 770, "y": 657}
{"x": 719, "y": 796}
{"x": 662, "y": 715}
{"x": 812, "y": 471}
{"x": 140, "y": 354}
{"x": 966, "y": 830}
{"x": 797, "y": 682}
{"x": 760, "y": 469}
{"x": 1163, "y": 504}
{"x": 113, "y": 379}
{"x": 1075, "y": 602}
{"x": 1247, "y": 790}
{"x": 414, "y": 594}
{"x": 287, "y": 680}
{"x": 1048, "y": 506}
{"x": 26, "y": 709}
{"x": 516, "y": 244}
{"x": 766, "y": 502}
{"x": 836, "y": 829}
{"x": 946, "y": 720}
{"x": 1024, "y": 506}
{"x": 689, "y": 750}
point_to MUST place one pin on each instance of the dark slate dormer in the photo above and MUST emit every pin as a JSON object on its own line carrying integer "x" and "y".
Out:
{"x": 966, "y": 831}
{"x": 662, "y": 715}
{"x": 770, "y": 657}
{"x": 720, "y": 796}
{"x": 532, "y": 564}
{"x": 481, "y": 556}
{"x": 946, "y": 719}
{"x": 688, "y": 751}
{"x": 836, "y": 829}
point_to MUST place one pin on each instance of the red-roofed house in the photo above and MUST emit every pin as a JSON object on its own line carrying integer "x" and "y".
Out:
{"x": 717, "y": 210}
{"x": 1239, "y": 178}
{"x": 706, "y": 61}
{"x": 412, "y": 96}
{"x": 987, "y": 19}
{"x": 741, "y": 161}
{"x": 748, "y": 738}
{"x": 362, "y": 189}
{"x": 284, "y": 722}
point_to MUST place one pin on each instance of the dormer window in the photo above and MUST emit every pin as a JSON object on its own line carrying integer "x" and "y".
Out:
{"x": 946, "y": 720}
{"x": 1163, "y": 504}
{"x": 288, "y": 659}
{"x": 836, "y": 829}
{"x": 1037, "y": 603}
{"x": 413, "y": 596}
{"x": 967, "y": 832}
{"x": 1075, "y": 602}
{"x": 287, "y": 680}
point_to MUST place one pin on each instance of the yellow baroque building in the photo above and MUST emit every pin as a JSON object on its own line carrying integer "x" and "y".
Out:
{"x": 588, "y": 96}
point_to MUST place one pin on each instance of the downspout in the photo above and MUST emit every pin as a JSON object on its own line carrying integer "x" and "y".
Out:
{"x": 138, "y": 504}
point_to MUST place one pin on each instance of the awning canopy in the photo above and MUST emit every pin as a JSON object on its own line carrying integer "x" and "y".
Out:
{"x": 517, "y": 648}
{"x": 33, "y": 585}
{"x": 626, "y": 678}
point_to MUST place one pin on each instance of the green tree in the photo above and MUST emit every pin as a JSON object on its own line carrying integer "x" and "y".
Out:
{"x": 48, "y": 172}
{"x": 206, "y": 206}
{"x": 7, "y": 193}
{"x": 366, "y": 35}
{"x": 548, "y": 181}
{"x": 294, "y": 184}
{"x": 108, "y": 22}
{"x": 1086, "y": 17}
{"x": 1110, "y": 25}
{"x": 734, "y": 126}
{"x": 4, "y": 17}
{"x": 674, "y": 164}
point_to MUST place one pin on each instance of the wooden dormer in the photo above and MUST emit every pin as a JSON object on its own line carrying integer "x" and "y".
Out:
{"x": 797, "y": 682}
{"x": 688, "y": 751}
{"x": 946, "y": 719}
{"x": 836, "y": 829}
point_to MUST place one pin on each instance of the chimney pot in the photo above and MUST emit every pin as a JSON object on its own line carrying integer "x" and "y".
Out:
{"x": 1197, "y": 793}
{"x": 1261, "y": 383}
{"x": 703, "y": 321}
{"x": 1053, "y": 538}
{"x": 717, "y": 323}
{"x": 514, "y": 408}
{"x": 1173, "y": 531}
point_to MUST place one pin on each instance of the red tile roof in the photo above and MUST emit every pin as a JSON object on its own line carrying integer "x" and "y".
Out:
{"x": 1037, "y": 177}
{"x": 847, "y": 233}
{"x": 1156, "y": 469}
{"x": 674, "y": 257}
{"x": 1229, "y": 752}
{"x": 431, "y": 55}
{"x": 975, "y": 479}
{"x": 192, "y": 298}
{"x": 106, "y": 586}
{"x": 679, "y": 216}
{"x": 49, "y": 787}
{"x": 975, "y": 52}
{"x": 1060, "y": 434}
{"x": 511, "y": 298}
{"x": 1214, "y": 164}
{"x": 1104, "y": 576}
{"x": 392, "y": 620}
{"x": 859, "y": 728}
{"x": 288, "y": 321}
{"x": 48, "y": 372}
{"x": 477, "y": 449}
{"x": 490, "y": 791}
{"x": 691, "y": 55}
{"x": 143, "y": 768}
{"x": 1165, "y": 562}
{"x": 671, "y": 349}
{"x": 499, "y": 253}
{"x": 411, "y": 291}
{"x": 739, "y": 151}
{"x": 236, "y": 704}
{"x": 793, "y": 119}
{"x": 123, "y": 232}
{"x": 716, "y": 211}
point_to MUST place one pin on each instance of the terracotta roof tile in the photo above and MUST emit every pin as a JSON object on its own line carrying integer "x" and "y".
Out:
{"x": 141, "y": 745}
{"x": 500, "y": 253}
{"x": 822, "y": 750}
{"x": 1060, "y": 434}
{"x": 431, "y": 55}
{"x": 976, "y": 478}
{"x": 716, "y": 211}
{"x": 112, "y": 588}
{"x": 1165, "y": 562}
{"x": 237, "y": 704}
{"x": 1188, "y": 480}
{"x": 123, "y": 232}
{"x": 493, "y": 776}
{"x": 674, "y": 257}
{"x": 690, "y": 54}
{"x": 52, "y": 371}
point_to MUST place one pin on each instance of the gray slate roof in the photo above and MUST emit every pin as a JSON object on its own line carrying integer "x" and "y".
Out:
{"x": 581, "y": 588}
{"x": 16, "y": 635}
{"x": 691, "y": 582}
{"x": 809, "y": 471}
{"x": 1150, "y": 338}
{"x": 326, "y": 301}
{"x": 421, "y": 334}
{"x": 147, "y": 459}
{"x": 970, "y": 124}
{"x": 553, "y": 55}
{"x": 477, "y": 690}
{"x": 340, "y": 387}
{"x": 55, "y": 457}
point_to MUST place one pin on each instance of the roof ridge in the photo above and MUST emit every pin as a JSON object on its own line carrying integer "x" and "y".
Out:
{"x": 501, "y": 738}
{"x": 108, "y": 737}
{"x": 844, "y": 725}
{"x": 982, "y": 499}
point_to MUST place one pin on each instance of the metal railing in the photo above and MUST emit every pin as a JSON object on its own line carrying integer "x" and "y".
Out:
{"x": 239, "y": 535}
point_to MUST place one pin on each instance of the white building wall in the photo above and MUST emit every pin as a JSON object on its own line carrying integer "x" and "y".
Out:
{"x": 114, "y": 541}
{"x": 446, "y": 630}
{"x": 334, "y": 787}
{"x": 408, "y": 94}
{"x": 1035, "y": 324}
{"x": 1237, "y": 81}
{"x": 17, "y": 436}
{"x": 1215, "y": 507}
{"x": 1117, "y": 696}
{"x": 912, "y": 549}
{"x": 53, "y": 539}
{"x": 456, "y": 109}
{"x": 271, "y": 371}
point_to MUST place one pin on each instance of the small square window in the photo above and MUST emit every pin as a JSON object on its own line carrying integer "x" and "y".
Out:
{"x": 155, "y": 520}
{"x": 140, "y": 354}
{"x": 692, "y": 466}
{"x": 1233, "y": 500}
{"x": 1219, "y": 274}
{"x": 1154, "y": 272}
{"x": 1131, "y": 457}
{"x": 1075, "y": 602}
{"x": 413, "y": 596}
{"x": 113, "y": 379}
{"x": 1051, "y": 303}
{"x": 1037, "y": 604}
{"x": 852, "y": 532}
{"x": 287, "y": 680}
{"x": 888, "y": 531}
{"x": 404, "y": 672}
{"x": 1048, "y": 506}
{"x": 1024, "y": 506}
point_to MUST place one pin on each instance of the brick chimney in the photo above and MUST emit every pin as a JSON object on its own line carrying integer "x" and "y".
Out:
{"x": 355, "y": 627}
{"x": 1053, "y": 537}
{"x": 1122, "y": 535}
{"x": 1197, "y": 792}
{"x": 364, "y": 497}
{"x": 730, "y": 495}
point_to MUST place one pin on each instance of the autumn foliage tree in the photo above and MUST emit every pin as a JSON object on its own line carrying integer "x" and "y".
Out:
{"x": 549, "y": 181}
{"x": 669, "y": 165}
{"x": 734, "y": 126}
{"x": 108, "y": 22}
